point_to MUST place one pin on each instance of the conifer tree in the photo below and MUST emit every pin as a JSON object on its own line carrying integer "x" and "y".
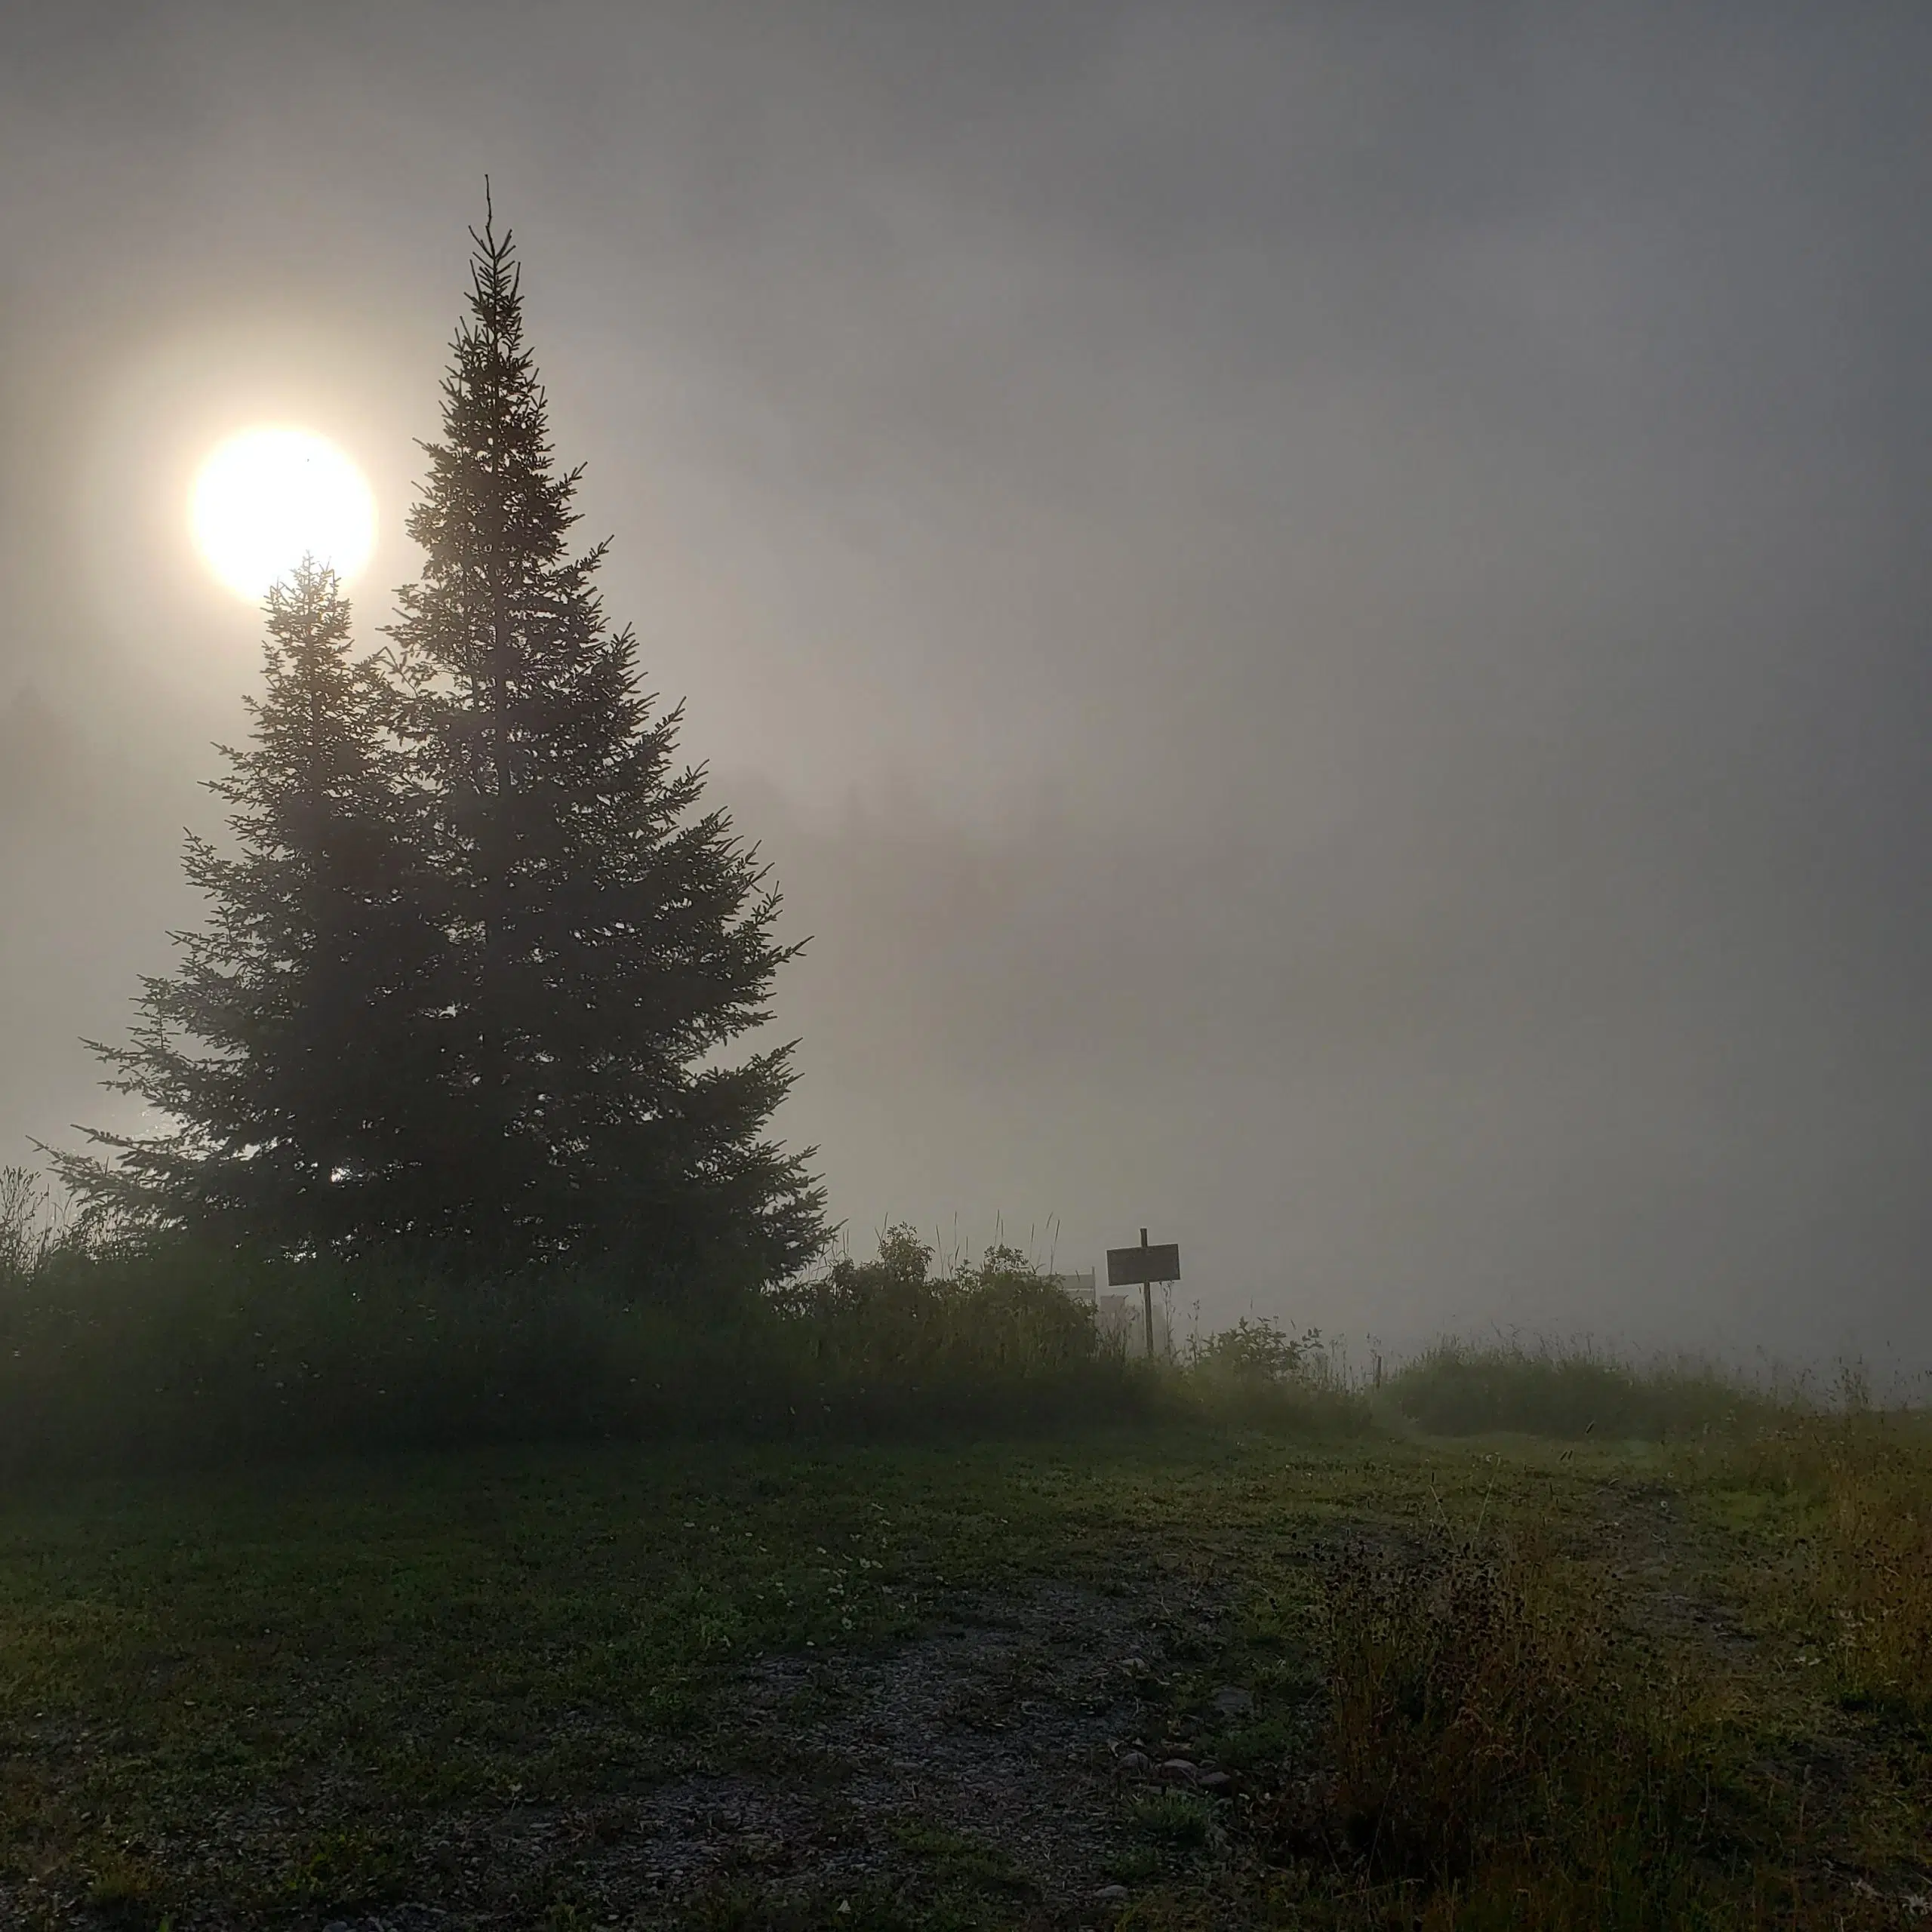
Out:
{"x": 290, "y": 1048}
{"x": 606, "y": 936}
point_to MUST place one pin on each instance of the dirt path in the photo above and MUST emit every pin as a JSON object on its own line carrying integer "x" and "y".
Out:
{"x": 982, "y": 1755}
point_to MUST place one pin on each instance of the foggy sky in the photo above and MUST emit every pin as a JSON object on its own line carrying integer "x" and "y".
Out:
{"x": 1323, "y": 612}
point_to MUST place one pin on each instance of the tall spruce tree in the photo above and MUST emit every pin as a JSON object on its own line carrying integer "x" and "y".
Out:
{"x": 290, "y": 1048}
{"x": 605, "y": 937}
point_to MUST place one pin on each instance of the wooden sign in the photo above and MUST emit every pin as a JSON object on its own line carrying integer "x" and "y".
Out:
{"x": 1131, "y": 1267}
{"x": 1145, "y": 1265}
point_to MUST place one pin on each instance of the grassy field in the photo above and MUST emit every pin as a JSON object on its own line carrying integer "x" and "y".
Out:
{"x": 1198, "y": 1677}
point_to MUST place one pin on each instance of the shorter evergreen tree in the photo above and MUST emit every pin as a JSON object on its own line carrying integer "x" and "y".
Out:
{"x": 292, "y": 1049}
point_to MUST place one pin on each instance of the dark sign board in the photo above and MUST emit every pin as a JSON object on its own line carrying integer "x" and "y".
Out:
{"x": 1130, "y": 1266}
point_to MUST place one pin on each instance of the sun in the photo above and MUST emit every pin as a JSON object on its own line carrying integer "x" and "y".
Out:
{"x": 269, "y": 497}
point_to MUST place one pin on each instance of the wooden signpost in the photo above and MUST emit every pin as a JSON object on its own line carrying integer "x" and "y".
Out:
{"x": 1145, "y": 1265}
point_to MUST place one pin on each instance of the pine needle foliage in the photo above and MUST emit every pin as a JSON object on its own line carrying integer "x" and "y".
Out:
{"x": 605, "y": 935}
{"x": 286, "y": 1049}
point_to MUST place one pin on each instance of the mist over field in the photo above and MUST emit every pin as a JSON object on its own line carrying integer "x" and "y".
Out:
{"x": 1327, "y": 626}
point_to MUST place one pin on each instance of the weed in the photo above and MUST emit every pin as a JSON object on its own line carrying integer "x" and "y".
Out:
{"x": 123, "y": 1883}
{"x": 344, "y": 1868}
{"x": 1176, "y": 1820}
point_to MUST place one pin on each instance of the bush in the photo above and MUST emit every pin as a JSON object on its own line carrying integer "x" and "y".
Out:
{"x": 1261, "y": 1353}
{"x": 181, "y": 1352}
{"x": 1257, "y": 1373}
{"x": 886, "y": 1339}
{"x": 176, "y": 1351}
{"x": 1457, "y": 1390}
{"x": 184, "y": 1352}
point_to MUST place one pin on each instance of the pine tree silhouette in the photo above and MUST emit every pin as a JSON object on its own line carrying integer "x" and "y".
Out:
{"x": 605, "y": 937}
{"x": 289, "y": 1049}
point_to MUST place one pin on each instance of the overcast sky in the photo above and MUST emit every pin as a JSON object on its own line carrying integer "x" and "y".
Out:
{"x": 1322, "y": 610}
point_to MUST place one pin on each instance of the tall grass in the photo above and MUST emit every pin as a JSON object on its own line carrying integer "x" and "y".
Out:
{"x": 1861, "y": 1479}
{"x": 1488, "y": 1759}
{"x": 29, "y": 1229}
{"x": 1459, "y": 1388}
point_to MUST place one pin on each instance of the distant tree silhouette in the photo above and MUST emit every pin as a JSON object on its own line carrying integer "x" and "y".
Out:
{"x": 604, "y": 937}
{"x": 289, "y": 1049}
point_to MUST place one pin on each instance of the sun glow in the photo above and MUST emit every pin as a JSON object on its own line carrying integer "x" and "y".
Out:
{"x": 269, "y": 497}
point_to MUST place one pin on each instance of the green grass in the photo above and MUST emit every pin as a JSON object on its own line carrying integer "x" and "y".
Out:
{"x": 893, "y": 1601}
{"x": 1479, "y": 1685}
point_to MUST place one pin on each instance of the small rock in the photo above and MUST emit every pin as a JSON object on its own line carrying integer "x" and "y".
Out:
{"x": 1134, "y": 1765}
{"x": 1232, "y": 1701}
{"x": 1217, "y": 1782}
{"x": 1179, "y": 1770}
{"x": 1109, "y": 1892}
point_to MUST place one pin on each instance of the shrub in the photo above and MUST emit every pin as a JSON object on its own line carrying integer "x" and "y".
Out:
{"x": 177, "y": 1351}
{"x": 886, "y": 1341}
{"x": 180, "y": 1351}
{"x": 1260, "y": 1351}
{"x": 1257, "y": 1373}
